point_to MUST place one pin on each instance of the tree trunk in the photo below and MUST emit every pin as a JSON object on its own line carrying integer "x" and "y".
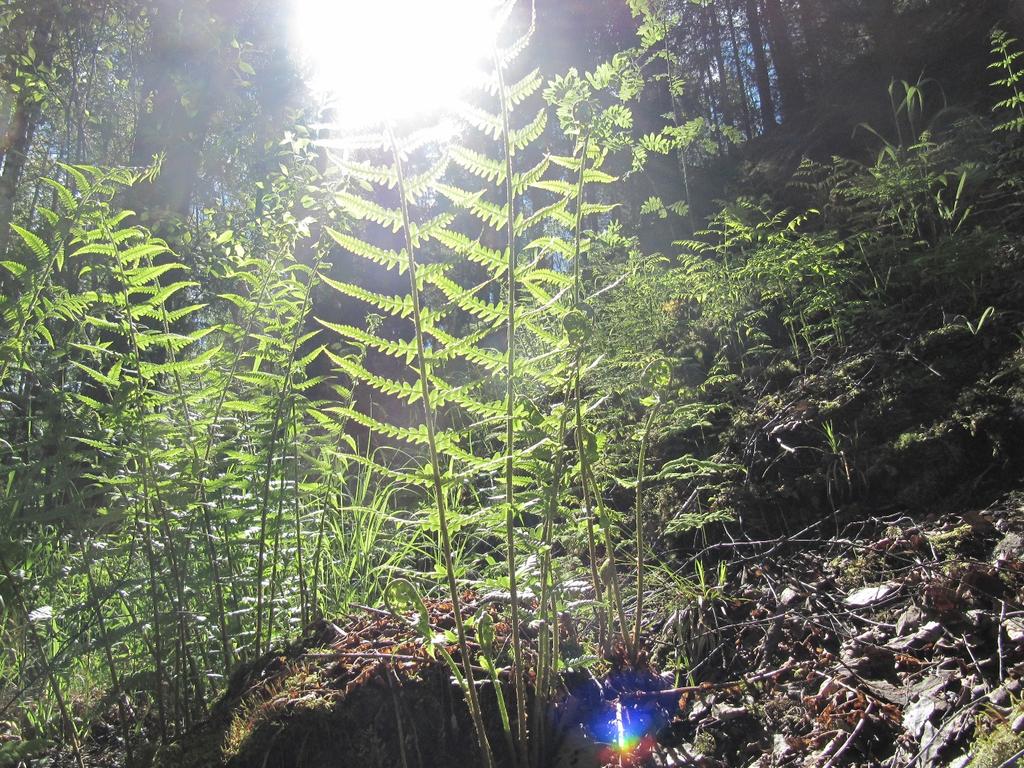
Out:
{"x": 786, "y": 69}
{"x": 715, "y": 42}
{"x": 761, "y": 77}
{"x": 812, "y": 41}
{"x": 882, "y": 24}
{"x": 185, "y": 82}
{"x": 17, "y": 140}
{"x": 741, "y": 78}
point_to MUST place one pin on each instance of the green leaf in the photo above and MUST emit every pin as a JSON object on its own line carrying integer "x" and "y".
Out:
{"x": 34, "y": 242}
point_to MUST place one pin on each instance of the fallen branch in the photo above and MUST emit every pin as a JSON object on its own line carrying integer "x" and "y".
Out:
{"x": 705, "y": 687}
{"x": 853, "y": 736}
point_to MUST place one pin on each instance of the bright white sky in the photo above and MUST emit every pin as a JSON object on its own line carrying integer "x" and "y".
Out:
{"x": 392, "y": 59}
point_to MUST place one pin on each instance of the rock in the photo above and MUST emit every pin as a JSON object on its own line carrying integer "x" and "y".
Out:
{"x": 1000, "y": 697}
{"x": 1014, "y": 629}
{"x": 827, "y": 687}
{"x": 865, "y": 596}
{"x": 929, "y": 633}
{"x": 936, "y": 741}
{"x": 699, "y": 712}
{"x": 1011, "y": 547}
{"x": 1017, "y": 726}
{"x": 789, "y": 597}
{"x": 867, "y": 660}
{"x": 781, "y": 748}
{"x": 949, "y": 664}
{"x": 916, "y": 716}
{"x": 909, "y": 620}
{"x": 725, "y": 713}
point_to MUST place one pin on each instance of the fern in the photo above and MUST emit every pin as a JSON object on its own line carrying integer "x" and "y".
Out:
{"x": 1005, "y": 60}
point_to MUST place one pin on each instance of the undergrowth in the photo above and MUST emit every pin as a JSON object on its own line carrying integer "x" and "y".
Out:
{"x": 198, "y": 459}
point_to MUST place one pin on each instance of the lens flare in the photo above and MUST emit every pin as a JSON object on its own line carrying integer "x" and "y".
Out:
{"x": 626, "y": 731}
{"x": 392, "y": 59}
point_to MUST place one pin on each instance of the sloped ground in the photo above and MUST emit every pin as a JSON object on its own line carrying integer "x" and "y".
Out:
{"x": 893, "y": 639}
{"x": 365, "y": 692}
{"x": 876, "y": 553}
{"x": 872, "y": 615}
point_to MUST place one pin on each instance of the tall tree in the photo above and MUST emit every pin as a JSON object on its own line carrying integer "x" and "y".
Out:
{"x": 741, "y": 78}
{"x": 185, "y": 83}
{"x": 761, "y": 77}
{"x": 29, "y": 68}
{"x": 714, "y": 42}
{"x": 812, "y": 43}
{"x": 787, "y": 70}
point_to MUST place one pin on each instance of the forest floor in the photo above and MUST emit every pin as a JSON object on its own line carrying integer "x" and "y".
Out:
{"x": 888, "y": 644}
{"x": 872, "y": 613}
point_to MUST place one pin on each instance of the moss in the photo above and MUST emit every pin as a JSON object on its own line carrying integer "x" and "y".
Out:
{"x": 947, "y": 543}
{"x": 995, "y": 742}
{"x": 238, "y": 731}
{"x": 705, "y": 743}
{"x": 854, "y": 572}
{"x": 908, "y": 440}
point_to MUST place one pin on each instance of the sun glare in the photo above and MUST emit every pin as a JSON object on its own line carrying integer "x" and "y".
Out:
{"x": 392, "y": 59}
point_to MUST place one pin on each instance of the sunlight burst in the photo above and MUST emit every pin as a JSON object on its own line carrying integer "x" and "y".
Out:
{"x": 393, "y": 59}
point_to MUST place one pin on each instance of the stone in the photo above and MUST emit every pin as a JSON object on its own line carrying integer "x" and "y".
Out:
{"x": 1000, "y": 697}
{"x": 1011, "y": 546}
{"x": 909, "y": 620}
{"x": 725, "y": 713}
{"x": 781, "y": 748}
{"x": 1017, "y": 726}
{"x": 916, "y": 716}
{"x": 866, "y": 596}
{"x": 1014, "y": 629}
{"x": 789, "y": 597}
{"x": 929, "y": 633}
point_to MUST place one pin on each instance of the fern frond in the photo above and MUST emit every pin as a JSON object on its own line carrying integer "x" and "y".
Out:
{"x": 397, "y": 306}
{"x": 523, "y": 181}
{"x": 483, "y": 121}
{"x": 520, "y": 91}
{"x": 479, "y": 164}
{"x": 489, "y": 213}
{"x": 473, "y": 250}
{"x": 399, "y": 350}
{"x": 368, "y": 172}
{"x": 367, "y": 210}
{"x": 425, "y": 232}
{"x": 418, "y": 186}
{"x": 523, "y": 137}
{"x": 35, "y": 243}
{"x": 467, "y": 302}
{"x": 388, "y": 259}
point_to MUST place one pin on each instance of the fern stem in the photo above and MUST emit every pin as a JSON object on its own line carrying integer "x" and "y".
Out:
{"x": 435, "y": 462}
{"x": 639, "y": 532}
{"x": 198, "y": 469}
{"x": 577, "y": 276}
{"x": 150, "y": 484}
{"x": 604, "y": 629}
{"x": 285, "y": 394}
{"x": 37, "y": 646}
{"x": 108, "y": 654}
{"x": 522, "y": 734}
{"x": 547, "y": 663}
